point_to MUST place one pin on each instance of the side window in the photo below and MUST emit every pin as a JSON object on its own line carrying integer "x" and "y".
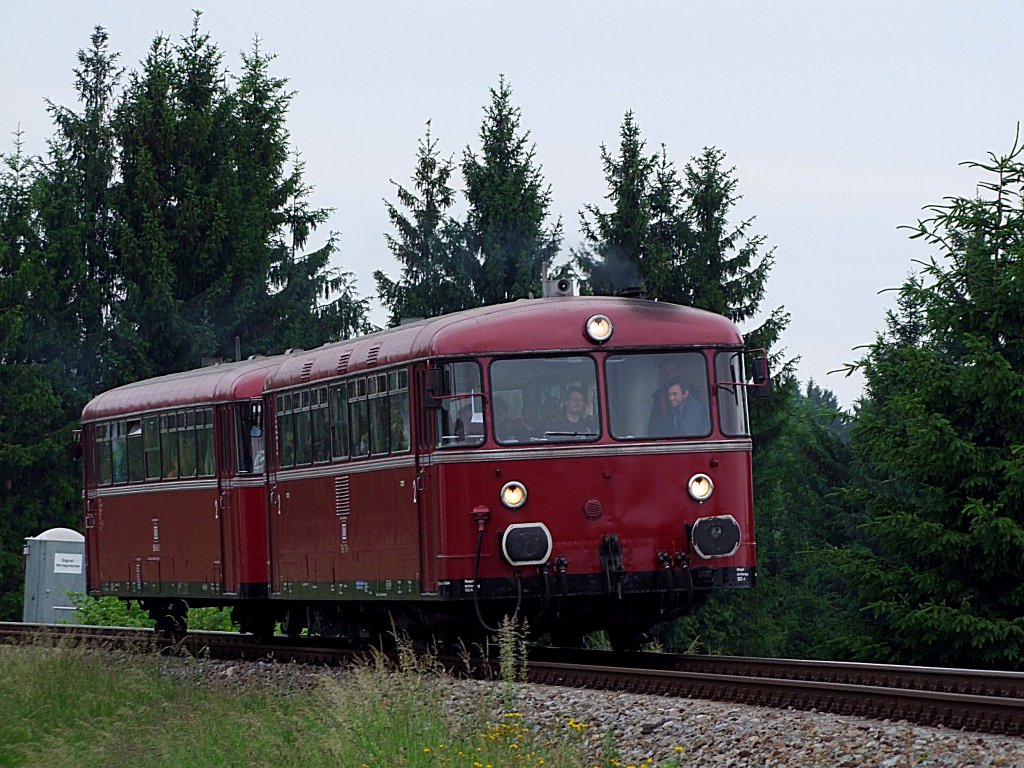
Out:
{"x": 103, "y": 473}
{"x": 169, "y": 444}
{"x": 461, "y": 416}
{"x": 379, "y": 421}
{"x": 151, "y": 443}
{"x": 359, "y": 418}
{"x": 285, "y": 431}
{"x": 398, "y": 397}
{"x": 187, "y": 443}
{"x": 303, "y": 438}
{"x": 732, "y": 399}
{"x": 135, "y": 452}
{"x": 321, "y": 428}
{"x": 339, "y": 420}
{"x": 119, "y": 452}
{"x": 205, "y": 460}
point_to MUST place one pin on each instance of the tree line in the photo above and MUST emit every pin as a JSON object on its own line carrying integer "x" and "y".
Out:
{"x": 170, "y": 220}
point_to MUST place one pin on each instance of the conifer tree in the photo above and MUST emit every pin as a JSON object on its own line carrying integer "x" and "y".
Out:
{"x": 508, "y": 206}
{"x": 37, "y": 483}
{"x": 724, "y": 270}
{"x": 623, "y": 247}
{"x": 216, "y": 214}
{"x": 437, "y": 270}
{"x": 939, "y": 570}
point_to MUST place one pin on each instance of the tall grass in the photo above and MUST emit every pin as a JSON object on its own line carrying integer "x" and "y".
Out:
{"x": 93, "y": 708}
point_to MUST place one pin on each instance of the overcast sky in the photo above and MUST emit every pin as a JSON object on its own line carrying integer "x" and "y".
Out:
{"x": 842, "y": 123}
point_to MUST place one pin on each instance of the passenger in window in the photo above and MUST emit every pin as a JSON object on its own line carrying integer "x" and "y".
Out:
{"x": 573, "y": 419}
{"x": 686, "y": 417}
{"x": 524, "y": 427}
{"x": 668, "y": 371}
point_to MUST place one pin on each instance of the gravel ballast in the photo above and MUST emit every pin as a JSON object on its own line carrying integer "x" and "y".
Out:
{"x": 709, "y": 733}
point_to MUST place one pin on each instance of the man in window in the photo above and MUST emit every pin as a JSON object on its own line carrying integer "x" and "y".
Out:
{"x": 685, "y": 416}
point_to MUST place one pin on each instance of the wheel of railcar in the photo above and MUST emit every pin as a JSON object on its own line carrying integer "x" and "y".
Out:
{"x": 624, "y": 639}
{"x": 567, "y": 638}
{"x": 171, "y": 625}
{"x": 262, "y": 628}
{"x": 295, "y": 620}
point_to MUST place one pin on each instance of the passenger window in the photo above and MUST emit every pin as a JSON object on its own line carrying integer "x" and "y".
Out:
{"x": 379, "y": 420}
{"x": 151, "y": 441}
{"x": 187, "y": 443}
{"x": 135, "y": 452}
{"x": 359, "y": 418}
{"x": 303, "y": 431}
{"x": 205, "y": 459}
{"x": 119, "y": 452}
{"x": 103, "y": 473}
{"x": 285, "y": 431}
{"x": 320, "y": 427}
{"x": 339, "y": 420}
{"x": 398, "y": 396}
{"x": 169, "y": 445}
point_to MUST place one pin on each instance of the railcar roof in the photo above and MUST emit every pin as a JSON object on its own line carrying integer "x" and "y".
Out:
{"x": 216, "y": 383}
{"x": 527, "y": 325}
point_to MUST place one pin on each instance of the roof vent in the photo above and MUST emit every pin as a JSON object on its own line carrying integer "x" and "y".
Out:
{"x": 371, "y": 359}
{"x": 343, "y": 361}
{"x": 307, "y": 369}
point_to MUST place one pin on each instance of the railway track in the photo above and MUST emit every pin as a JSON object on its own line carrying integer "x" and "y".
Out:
{"x": 976, "y": 700}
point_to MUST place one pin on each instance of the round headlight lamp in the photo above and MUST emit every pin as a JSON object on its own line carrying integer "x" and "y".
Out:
{"x": 700, "y": 487}
{"x": 513, "y": 494}
{"x": 599, "y": 328}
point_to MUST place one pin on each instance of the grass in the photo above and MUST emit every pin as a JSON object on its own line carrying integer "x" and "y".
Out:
{"x": 89, "y": 707}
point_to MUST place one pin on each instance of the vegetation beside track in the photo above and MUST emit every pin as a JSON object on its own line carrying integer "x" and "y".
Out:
{"x": 108, "y": 708}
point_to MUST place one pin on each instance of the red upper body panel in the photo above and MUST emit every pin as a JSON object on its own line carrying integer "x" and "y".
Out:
{"x": 214, "y": 384}
{"x": 527, "y": 325}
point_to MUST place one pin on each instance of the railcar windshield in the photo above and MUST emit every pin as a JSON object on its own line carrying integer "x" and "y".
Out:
{"x": 659, "y": 394}
{"x": 545, "y": 400}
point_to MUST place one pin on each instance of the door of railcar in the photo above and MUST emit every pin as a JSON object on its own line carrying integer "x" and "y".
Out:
{"x": 243, "y": 499}
{"x": 93, "y": 518}
{"x": 226, "y": 497}
{"x": 427, "y": 503}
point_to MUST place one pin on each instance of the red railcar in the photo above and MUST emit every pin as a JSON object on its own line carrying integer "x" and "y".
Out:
{"x": 175, "y": 490}
{"x": 584, "y": 462}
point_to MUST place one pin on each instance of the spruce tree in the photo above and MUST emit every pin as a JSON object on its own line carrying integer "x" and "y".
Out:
{"x": 437, "y": 270}
{"x": 216, "y": 214}
{"x": 629, "y": 246}
{"x": 724, "y": 269}
{"x": 938, "y": 572}
{"x": 38, "y": 486}
{"x": 508, "y": 206}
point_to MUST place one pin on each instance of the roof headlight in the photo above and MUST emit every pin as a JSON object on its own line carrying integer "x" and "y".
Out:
{"x": 700, "y": 487}
{"x": 599, "y": 328}
{"x": 513, "y": 494}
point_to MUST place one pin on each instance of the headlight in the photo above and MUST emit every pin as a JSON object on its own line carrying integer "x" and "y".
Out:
{"x": 599, "y": 328}
{"x": 513, "y": 494}
{"x": 700, "y": 487}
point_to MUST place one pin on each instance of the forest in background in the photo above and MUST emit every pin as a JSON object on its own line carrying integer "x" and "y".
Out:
{"x": 171, "y": 216}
